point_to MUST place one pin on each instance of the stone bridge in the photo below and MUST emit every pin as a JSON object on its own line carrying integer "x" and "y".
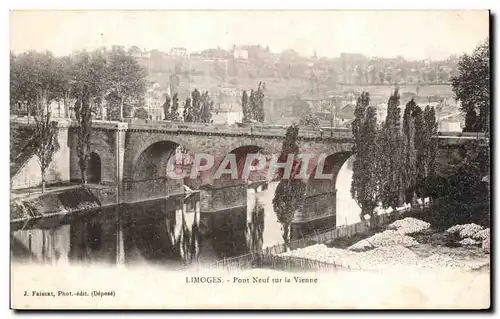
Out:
{"x": 132, "y": 157}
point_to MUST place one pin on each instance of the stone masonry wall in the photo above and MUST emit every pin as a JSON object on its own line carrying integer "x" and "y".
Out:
{"x": 57, "y": 172}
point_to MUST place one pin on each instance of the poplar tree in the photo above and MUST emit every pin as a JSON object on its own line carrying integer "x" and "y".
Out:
{"x": 244, "y": 106}
{"x": 206, "y": 108}
{"x": 195, "y": 105}
{"x": 472, "y": 87}
{"x": 259, "y": 103}
{"x": 173, "y": 115}
{"x": 290, "y": 192}
{"x": 430, "y": 147}
{"x": 392, "y": 185}
{"x": 187, "y": 114}
{"x": 410, "y": 152}
{"x": 365, "y": 186}
{"x": 166, "y": 107}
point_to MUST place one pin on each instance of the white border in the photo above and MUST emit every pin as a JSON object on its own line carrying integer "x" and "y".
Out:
{"x": 185, "y": 4}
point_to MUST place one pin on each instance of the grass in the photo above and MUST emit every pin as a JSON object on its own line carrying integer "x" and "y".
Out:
{"x": 345, "y": 242}
{"x": 434, "y": 241}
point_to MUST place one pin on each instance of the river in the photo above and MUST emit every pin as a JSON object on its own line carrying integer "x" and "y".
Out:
{"x": 166, "y": 232}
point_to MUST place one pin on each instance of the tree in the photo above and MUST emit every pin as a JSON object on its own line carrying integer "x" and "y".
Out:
{"x": 195, "y": 105}
{"x": 83, "y": 113}
{"x": 255, "y": 109}
{"x": 410, "y": 152}
{"x": 174, "y": 82}
{"x": 141, "y": 113}
{"x": 290, "y": 192}
{"x": 420, "y": 145}
{"x": 88, "y": 80}
{"x": 36, "y": 83}
{"x": 174, "y": 115}
{"x": 471, "y": 86}
{"x": 206, "y": 108}
{"x": 365, "y": 186}
{"x": 245, "y": 107}
{"x": 187, "y": 114}
{"x": 430, "y": 145}
{"x": 67, "y": 67}
{"x": 258, "y": 103}
{"x": 392, "y": 183}
{"x": 126, "y": 79}
{"x": 426, "y": 149}
{"x": 46, "y": 142}
{"x": 251, "y": 106}
{"x": 470, "y": 121}
{"x": 166, "y": 107}
{"x": 309, "y": 119}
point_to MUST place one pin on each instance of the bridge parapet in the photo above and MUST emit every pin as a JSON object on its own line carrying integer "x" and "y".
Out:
{"x": 232, "y": 130}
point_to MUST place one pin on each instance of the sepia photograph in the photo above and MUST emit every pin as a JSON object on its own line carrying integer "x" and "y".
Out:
{"x": 250, "y": 159}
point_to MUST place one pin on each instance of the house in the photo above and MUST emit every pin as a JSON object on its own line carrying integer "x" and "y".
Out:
{"x": 240, "y": 54}
{"x": 227, "y": 117}
{"x": 179, "y": 52}
{"x": 346, "y": 112}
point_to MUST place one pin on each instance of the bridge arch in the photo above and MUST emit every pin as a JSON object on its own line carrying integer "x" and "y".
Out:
{"x": 94, "y": 168}
{"x": 151, "y": 162}
{"x": 331, "y": 166}
{"x": 140, "y": 144}
{"x": 239, "y": 154}
{"x": 320, "y": 204}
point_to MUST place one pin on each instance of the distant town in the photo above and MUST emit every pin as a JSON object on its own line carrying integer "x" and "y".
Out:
{"x": 296, "y": 86}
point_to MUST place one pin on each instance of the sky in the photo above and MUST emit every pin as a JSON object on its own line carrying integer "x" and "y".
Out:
{"x": 413, "y": 34}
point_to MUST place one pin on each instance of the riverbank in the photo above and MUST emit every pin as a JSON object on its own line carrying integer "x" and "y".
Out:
{"x": 406, "y": 244}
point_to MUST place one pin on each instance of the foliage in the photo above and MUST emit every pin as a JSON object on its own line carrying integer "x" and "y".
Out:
{"x": 290, "y": 193}
{"x": 126, "y": 79}
{"x": 245, "y": 107}
{"x": 472, "y": 87}
{"x": 253, "y": 106}
{"x": 87, "y": 84}
{"x": 35, "y": 82}
{"x": 83, "y": 113}
{"x": 141, "y": 113}
{"x": 196, "y": 105}
{"x": 166, "y": 107}
{"x": 310, "y": 120}
{"x": 364, "y": 186}
{"x": 173, "y": 115}
{"x": 187, "y": 114}
{"x": 392, "y": 184}
{"x": 84, "y": 79}
{"x": 430, "y": 143}
{"x": 410, "y": 152}
{"x": 174, "y": 83}
{"x": 258, "y": 103}
{"x": 206, "y": 108}
{"x": 461, "y": 197}
{"x": 426, "y": 149}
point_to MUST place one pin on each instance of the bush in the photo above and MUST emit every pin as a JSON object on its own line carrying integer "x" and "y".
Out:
{"x": 141, "y": 113}
{"x": 447, "y": 212}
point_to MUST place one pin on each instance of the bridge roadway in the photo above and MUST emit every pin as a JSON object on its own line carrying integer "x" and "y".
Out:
{"x": 130, "y": 157}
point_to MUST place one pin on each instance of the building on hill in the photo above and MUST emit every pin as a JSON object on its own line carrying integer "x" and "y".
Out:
{"x": 240, "y": 54}
{"x": 213, "y": 54}
{"x": 346, "y": 112}
{"x": 179, "y": 52}
{"x": 227, "y": 117}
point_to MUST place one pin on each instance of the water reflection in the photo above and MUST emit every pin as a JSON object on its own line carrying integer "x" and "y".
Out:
{"x": 167, "y": 232}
